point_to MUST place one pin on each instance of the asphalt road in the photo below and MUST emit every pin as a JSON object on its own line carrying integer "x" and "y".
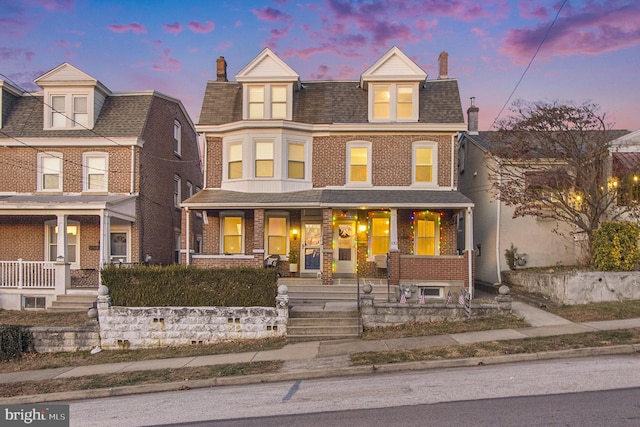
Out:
{"x": 546, "y": 393}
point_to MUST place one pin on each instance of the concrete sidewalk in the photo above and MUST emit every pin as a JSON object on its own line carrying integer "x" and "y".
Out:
{"x": 327, "y": 358}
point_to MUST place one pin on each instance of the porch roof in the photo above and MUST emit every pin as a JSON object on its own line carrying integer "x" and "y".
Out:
{"x": 120, "y": 206}
{"x": 329, "y": 198}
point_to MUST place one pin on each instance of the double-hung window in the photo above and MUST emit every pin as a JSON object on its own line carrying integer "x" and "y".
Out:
{"x": 391, "y": 102}
{"x": 267, "y": 101}
{"x": 58, "y": 111}
{"x": 358, "y": 163}
{"x": 177, "y": 191}
{"x": 427, "y": 229}
{"x": 177, "y": 138}
{"x": 73, "y": 238}
{"x": 232, "y": 233}
{"x": 95, "y": 171}
{"x": 80, "y": 112}
{"x": 379, "y": 232}
{"x": 50, "y": 172}
{"x": 276, "y": 235}
{"x": 235, "y": 161}
{"x": 424, "y": 163}
{"x": 296, "y": 161}
{"x": 68, "y": 111}
{"x": 264, "y": 159}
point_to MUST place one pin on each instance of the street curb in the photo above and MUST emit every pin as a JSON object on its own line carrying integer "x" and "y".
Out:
{"x": 320, "y": 373}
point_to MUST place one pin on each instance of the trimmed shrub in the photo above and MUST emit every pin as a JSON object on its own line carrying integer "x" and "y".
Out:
{"x": 14, "y": 341}
{"x": 615, "y": 246}
{"x": 187, "y": 286}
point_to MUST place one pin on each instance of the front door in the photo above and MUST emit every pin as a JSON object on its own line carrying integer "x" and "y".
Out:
{"x": 311, "y": 259}
{"x": 344, "y": 234}
{"x": 119, "y": 247}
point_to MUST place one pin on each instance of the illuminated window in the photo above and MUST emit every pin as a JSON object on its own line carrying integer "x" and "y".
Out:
{"x": 426, "y": 229}
{"x": 379, "y": 233}
{"x": 296, "y": 161}
{"x": 264, "y": 159}
{"x": 256, "y": 102}
{"x": 235, "y": 161}
{"x": 358, "y": 163}
{"x": 73, "y": 237}
{"x": 278, "y": 102}
{"x": 276, "y": 236}
{"x": 393, "y": 102}
{"x": 232, "y": 227}
{"x": 381, "y": 102}
{"x": 424, "y": 164}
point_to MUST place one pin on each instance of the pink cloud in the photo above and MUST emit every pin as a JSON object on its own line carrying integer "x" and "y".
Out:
{"x": 175, "y": 28}
{"x": 238, "y": 24}
{"x": 321, "y": 74}
{"x": 422, "y": 25}
{"x": 270, "y": 14}
{"x": 133, "y": 27}
{"x": 277, "y": 34}
{"x": 11, "y": 54}
{"x": 166, "y": 63}
{"x": 478, "y": 32}
{"x": 57, "y": 5}
{"x": 63, "y": 43}
{"x": 197, "y": 27}
{"x": 594, "y": 29}
{"x": 528, "y": 9}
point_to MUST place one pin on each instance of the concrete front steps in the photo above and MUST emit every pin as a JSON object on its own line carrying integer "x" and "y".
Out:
{"x": 313, "y": 292}
{"x": 330, "y": 321}
{"x": 73, "y": 302}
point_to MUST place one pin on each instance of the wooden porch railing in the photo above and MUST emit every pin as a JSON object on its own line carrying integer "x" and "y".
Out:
{"x": 27, "y": 274}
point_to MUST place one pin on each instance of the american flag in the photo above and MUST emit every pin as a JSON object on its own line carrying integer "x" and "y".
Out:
{"x": 403, "y": 299}
{"x": 421, "y": 301}
{"x": 461, "y": 299}
{"x": 449, "y": 298}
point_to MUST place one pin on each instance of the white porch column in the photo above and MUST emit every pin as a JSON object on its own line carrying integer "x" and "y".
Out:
{"x": 393, "y": 229}
{"x": 469, "y": 246}
{"x": 61, "y": 266}
{"x": 105, "y": 239}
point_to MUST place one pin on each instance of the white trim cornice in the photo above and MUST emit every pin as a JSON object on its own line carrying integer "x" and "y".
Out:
{"x": 71, "y": 142}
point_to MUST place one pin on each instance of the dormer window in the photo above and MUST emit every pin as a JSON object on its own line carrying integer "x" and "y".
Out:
{"x": 268, "y": 101}
{"x": 391, "y": 102}
{"x": 68, "y": 111}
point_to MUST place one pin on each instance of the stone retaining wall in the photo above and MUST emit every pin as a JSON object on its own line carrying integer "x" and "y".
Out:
{"x": 578, "y": 287}
{"x": 51, "y": 339}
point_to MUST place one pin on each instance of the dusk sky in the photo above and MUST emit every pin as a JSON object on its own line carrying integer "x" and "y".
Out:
{"x": 592, "y": 52}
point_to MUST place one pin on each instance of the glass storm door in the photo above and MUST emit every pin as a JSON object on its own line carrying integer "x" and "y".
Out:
{"x": 118, "y": 247}
{"x": 344, "y": 254}
{"x": 311, "y": 248}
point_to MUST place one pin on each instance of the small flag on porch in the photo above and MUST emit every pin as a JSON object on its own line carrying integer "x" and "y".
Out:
{"x": 449, "y": 298}
{"x": 461, "y": 299}
{"x": 403, "y": 299}
{"x": 421, "y": 300}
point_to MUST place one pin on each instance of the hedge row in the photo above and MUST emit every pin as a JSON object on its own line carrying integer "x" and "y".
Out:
{"x": 186, "y": 286}
{"x": 15, "y": 340}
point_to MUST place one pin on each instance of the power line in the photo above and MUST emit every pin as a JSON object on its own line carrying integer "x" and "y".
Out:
{"x": 546, "y": 34}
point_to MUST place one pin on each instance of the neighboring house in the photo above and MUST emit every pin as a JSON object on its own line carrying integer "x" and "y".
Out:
{"x": 625, "y": 167}
{"x": 343, "y": 173}
{"x": 540, "y": 242}
{"x": 110, "y": 168}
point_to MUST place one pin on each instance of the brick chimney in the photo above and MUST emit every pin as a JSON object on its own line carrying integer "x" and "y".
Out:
{"x": 472, "y": 117}
{"x": 443, "y": 60}
{"x": 221, "y": 70}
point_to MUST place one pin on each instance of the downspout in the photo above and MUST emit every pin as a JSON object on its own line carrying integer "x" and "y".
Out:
{"x": 498, "y": 213}
{"x": 133, "y": 169}
{"x": 188, "y": 236}
{"x": 204, "y": 160}
{"x": 470, "y": 249}
{"x": 453, "y": 157}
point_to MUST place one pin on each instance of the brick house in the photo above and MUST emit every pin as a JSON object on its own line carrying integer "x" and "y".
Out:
{"x": 109, "y": 167}
{"x": 357, "y": 177}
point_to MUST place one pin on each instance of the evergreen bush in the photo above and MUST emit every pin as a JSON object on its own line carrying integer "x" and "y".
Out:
{"x": 14, "y": 341}
{"x": 615, "y": 246}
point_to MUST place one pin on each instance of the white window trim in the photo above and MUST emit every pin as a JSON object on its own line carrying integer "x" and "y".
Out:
{"x": 48, "y": 155}
{"x": 305, "y": 160}
{"x": 85, "y": 171}
{"x": 393, "y": 102}
{"x": 358, "y": 144}
{"x": 177, "y": 138}
{"x": 274, "y": 158}
{"x": 276, "y": 214}
{"x": 434, "y": 169}
{"x": 225, "y": 214}
{"x": 436, "y": 237}
{"x": 177, "y": 197}
{"x": 69, "y": 111}
{"x": 47, "y": 242}
{"x": 267, "y": 114}
{"x": 226, "y": 156}
{"x": 126, "y": 230}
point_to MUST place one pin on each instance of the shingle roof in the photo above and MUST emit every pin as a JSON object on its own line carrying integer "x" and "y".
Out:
{"x": 215, "y": 198}
{"x": 120, "y": 116}
{"x": 326, "y": 102}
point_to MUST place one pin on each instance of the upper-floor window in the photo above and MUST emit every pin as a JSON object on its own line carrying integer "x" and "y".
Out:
{"x": 189, "y": 189}
{"x": 235, "y": 161}
{"x": 232, "y": 225}
{"x": 95, "y": 167}
{"x": 296, "y": 162}
{"x": 269, "y": 101}
{"x": 177, "y": 137}
{"x": 68, "y": 111}
{"x": 177, "y": 191}
{"x": 358, "y": 163}
{"x": 390, "y": 102}
{"x": 264, "y": 159}
{"x": 424, "y": 163}
{"x": 49, "y": 172}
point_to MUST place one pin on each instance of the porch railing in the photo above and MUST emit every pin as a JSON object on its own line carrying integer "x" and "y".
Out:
{"x": 27, "y": 274}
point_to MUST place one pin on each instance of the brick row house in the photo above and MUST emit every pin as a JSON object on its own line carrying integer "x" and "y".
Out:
{"x": 349, "y": 179}
{"x": 109, "y": 167}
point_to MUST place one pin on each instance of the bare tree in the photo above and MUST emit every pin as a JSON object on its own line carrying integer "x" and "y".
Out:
{"x": 550, "y": 160}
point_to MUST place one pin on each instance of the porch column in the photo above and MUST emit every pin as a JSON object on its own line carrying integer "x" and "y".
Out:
{"x": 105, "y": 239}
{"x": 258, "y": 236}
{"x": 469, "y": 246}
{"x": 327, "y": 246}
{"x": 393, "y": 238}
{"x": 61, "y": 266}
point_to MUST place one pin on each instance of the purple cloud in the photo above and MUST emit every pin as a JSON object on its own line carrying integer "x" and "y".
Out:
{"x": 270, "y": 14}
{"x": 166, "y": 63}
{"x": 530, "y": 10}
{"x": 197, "y": 27}
{"x": 10, "y": 54}
{"x": 57, "y": 5}
{"x": 133, "y": 27}
{"x": 594, "y": 29}
{"x": 175, "y": 28}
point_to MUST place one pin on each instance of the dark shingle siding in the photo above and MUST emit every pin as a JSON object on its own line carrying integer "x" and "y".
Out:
{"x": 330, "y": 102}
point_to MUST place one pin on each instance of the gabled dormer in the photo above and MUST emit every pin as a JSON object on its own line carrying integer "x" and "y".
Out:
{"x": 72, "y": 98}
{"x": 267, "y": 87}
{"x": 8, "y": 95}
{"x": 393, "y": 87}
